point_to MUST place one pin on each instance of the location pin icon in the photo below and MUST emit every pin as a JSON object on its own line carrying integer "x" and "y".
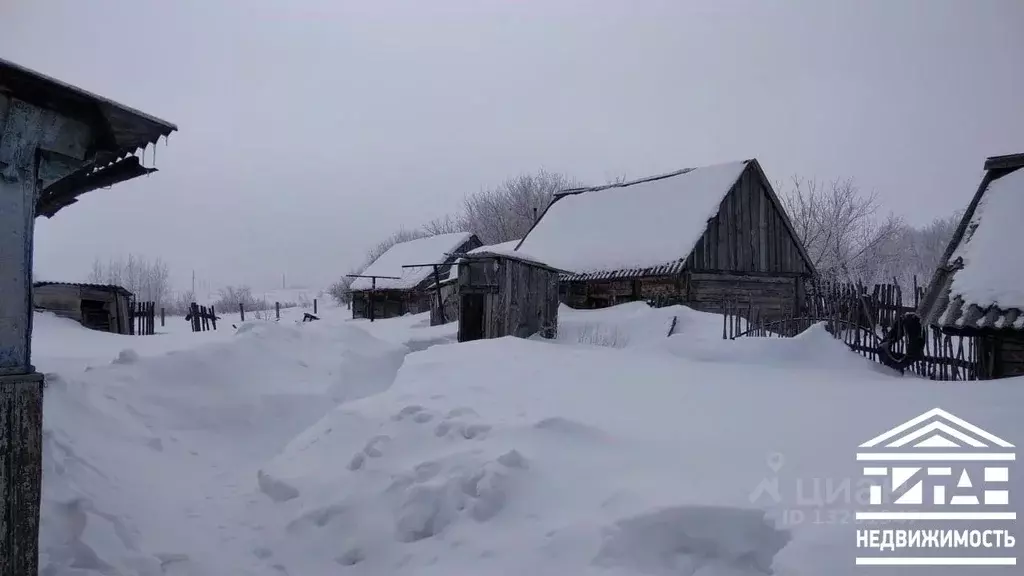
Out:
{"x": 775, "y": 461}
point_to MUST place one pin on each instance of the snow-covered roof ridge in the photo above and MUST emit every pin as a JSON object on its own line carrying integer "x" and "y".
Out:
{"x": 643, "y": 224}
{"x": 980, "y": 283}
{"x": 427, "y": 250}
{"x": 499, "y": 249}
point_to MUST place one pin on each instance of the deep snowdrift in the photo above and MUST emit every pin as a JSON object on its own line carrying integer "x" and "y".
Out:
{"x": 139, "y": 454}
{"x": 345, "y": 447}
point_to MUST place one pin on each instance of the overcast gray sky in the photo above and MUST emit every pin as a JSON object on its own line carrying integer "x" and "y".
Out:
{"x": 311, "y": 129}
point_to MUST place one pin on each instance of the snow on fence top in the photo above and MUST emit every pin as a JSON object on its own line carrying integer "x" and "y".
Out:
{"x": 640, "y": 224}
{"x": 420, "y": 251}
{"x": 993, "y": 267}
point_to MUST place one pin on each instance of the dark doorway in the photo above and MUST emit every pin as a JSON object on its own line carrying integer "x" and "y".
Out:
{"x": 95, "y": 315}
{"x": 471, "y": 317}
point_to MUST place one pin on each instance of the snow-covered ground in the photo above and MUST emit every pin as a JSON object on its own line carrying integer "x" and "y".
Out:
{"x": 348, "y": 447}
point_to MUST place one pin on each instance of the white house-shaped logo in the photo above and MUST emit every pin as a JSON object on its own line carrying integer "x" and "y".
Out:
{"x": 937, "y": 467}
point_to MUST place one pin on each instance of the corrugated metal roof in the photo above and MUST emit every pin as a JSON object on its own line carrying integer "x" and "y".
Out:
{"x": 960, "y": 315}
{"x": 108, "y": 287}
{"x": 670, "y": 269}
{"x": 943, "y": 305}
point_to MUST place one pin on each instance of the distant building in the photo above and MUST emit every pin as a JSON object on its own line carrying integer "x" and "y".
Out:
{"x": 699, "y": 236}
{"x": 396, "y": 291}
{"x": 96, "y": 306}
{"x": 978, "y": 288}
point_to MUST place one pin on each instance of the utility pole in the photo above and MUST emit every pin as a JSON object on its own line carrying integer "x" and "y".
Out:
{"x": 193, "y": 284}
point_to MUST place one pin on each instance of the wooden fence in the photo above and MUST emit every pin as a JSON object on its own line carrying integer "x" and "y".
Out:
{"x": 142, "y": 318}
{"x": 202, "y": 318}
{"x": 862, "y": 319}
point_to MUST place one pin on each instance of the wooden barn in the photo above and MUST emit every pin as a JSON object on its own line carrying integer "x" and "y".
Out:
{"x": 444, "y": 304}
{"x": 96, "y": 306}
{"x": 978, "y": 289}
{"x": 698, "y": 236}
{"x": 504, "y": 294}
{"x": 395, "y": 289}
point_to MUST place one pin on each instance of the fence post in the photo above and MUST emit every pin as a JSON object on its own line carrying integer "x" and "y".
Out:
{"x": 241, "y": 310}
{"x": 314, "y": 305}
{"x": 277, "y": 310}
{"x": 213, "y": 317}
{"x": 193, "y": 311}
{"x": 161, "y": 316}
{"x": 203, "y": 318}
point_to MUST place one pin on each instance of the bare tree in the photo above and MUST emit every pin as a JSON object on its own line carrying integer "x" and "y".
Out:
{"x": 148, "y": 280}
{"x": 913, "y": 253}
{"x": 508, "y": 211}
{"x": 445, "y": 225}
{"x": 178, "y": 304}
{"x": 845, "y": 237}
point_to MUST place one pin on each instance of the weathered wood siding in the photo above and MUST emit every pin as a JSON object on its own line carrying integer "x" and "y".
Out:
{"x": 748, "y": 234}
{"x": 389, "y": 303}
{"x": 772, "y": 296}
{"x": 62, "y": 300}
{"x": 602, "y": 293}
{"x": 448, "y": 304}
{"x": 21, "y": 469}
{"x": 1009, "y": 358}
{"x": 520, "y": 299}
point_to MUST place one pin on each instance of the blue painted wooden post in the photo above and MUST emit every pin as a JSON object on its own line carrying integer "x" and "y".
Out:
{"x": 21, "y": 388}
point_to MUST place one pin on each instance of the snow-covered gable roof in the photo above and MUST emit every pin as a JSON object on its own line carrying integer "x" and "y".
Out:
{"x": 648, "y": 223}
{"x": 420, "y": 251}
{"x": 981, "y": 282}
{"x": 500, "y": 247}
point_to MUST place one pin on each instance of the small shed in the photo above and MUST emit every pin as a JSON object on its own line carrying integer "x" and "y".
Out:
{"x": 697, "y": 236}
{"x": 97, "y": 306}
{"x": 444, "y": 304}
{"x": 395, "y": 289}
{"x": 506, "y": 294}
{"x": 978, "y": 288}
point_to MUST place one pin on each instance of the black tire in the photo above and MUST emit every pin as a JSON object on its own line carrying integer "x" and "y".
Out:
{"x": 907, "y": 328}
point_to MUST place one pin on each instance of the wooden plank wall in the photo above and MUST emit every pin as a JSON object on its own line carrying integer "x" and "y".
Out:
{"x": 520, "y": 299}
{"x": 748, "y": 234}
{"x": 773, "y": 296}
{"x": 1009, "y": 357}
{"x": 387, "y": 304}
{"x": 597, "y": 293}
